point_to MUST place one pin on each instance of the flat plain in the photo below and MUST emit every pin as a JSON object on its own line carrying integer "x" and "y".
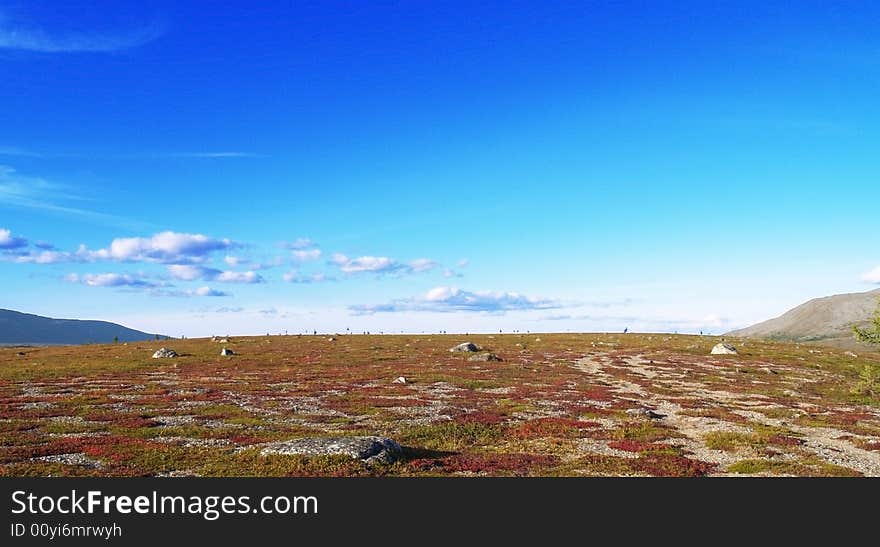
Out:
{"x": 555, "y": 405}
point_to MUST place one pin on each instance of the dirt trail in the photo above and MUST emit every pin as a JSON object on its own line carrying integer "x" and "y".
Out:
{"x": 627, "y": 378}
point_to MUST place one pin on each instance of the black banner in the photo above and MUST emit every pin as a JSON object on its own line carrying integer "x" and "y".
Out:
{"x": 131, "y": 511}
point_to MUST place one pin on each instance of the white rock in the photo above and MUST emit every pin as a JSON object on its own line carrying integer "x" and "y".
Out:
{"x": 465, "y": 347}
{"x": 164, "y": 353}
{"x": 399, "y": 380}
{"x": 724, "y": 349}
{"x": 226, "y": 352}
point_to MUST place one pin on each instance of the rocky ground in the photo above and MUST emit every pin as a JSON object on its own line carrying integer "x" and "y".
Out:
{"x": 571, "y": 405}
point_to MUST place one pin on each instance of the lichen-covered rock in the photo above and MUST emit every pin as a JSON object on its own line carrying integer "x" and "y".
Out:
{"x": 724, "y": 349}
{"x": 164, "y": 353}
{"x": 484, "y": 357}
{"x": 465, "y": 347}
{"x": 368, "y": 449}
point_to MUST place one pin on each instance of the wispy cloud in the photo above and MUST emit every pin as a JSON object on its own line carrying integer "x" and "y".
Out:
{"x": 41, "y": 257}
{"x": 873, "y": 276}
{"x": 298, "y": 243}
{"x": 30, "y": 38}
{"x": 16, "y": 151}
{"x": 423, "y": 265}
{"x": 188, "y": 293}
{"x": 294, "y": 276}
{"x": 215, "y": 155}
{"x": 452, "y": 299}
{"x": 306, "y": 255}
{"x": 29, "y": 192}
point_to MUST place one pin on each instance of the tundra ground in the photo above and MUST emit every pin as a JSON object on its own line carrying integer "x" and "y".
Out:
{"x": 557, "y": 405}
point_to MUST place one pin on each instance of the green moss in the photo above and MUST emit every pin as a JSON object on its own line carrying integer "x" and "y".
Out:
{"x": 451, "y": 435}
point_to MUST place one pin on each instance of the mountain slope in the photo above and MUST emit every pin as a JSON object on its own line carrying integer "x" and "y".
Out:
{"x": 828, "y": 320}
{"x": 26, "y": 328}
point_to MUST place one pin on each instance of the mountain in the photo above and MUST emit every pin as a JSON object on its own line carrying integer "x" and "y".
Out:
{"x": 18, "y": 328}
{"x": 828, "y": 320}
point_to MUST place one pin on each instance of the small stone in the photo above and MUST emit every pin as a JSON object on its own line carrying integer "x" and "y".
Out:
{"x": 537, "y": 339}
{"x": 851, "y": 354}
{"x": 226, "y": 352}
{"x": 331, "y": 339}
{"x": 645, "y": 412}
{"x": 399, "y": 380}
{"x": 724, "y": 349}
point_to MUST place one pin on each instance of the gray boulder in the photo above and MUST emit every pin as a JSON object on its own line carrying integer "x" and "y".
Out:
{"x": 724, "y": 349}
{"x": 465, "y": 347}
{"x": 164, "y": 353}
{"x": 368, "y": 449}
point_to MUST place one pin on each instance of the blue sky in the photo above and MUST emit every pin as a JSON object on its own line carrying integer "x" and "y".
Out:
{"x": 197, "y": 169}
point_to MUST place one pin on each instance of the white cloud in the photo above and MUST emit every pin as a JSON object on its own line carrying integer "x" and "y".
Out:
{"x": 306, "y": 255}
{"x": 165, "y": 247}
{"x": 185, "y": 272}
{"x": 249, "y": 276}
{"x": 381, "y": 265}
{"x": 463, "y": 263}
{"x": 231, "y": 260}
{"x": 8, "y": 241}
{"x": 450, "y": 299}
{"x": 111, "y": 280}
{"x": 372, "y": 264}
{"x": 873, "y": 276}
{"x": 190, "y": 272}
{"x": 448, "y": 272}
{"x": 208, "y": 291}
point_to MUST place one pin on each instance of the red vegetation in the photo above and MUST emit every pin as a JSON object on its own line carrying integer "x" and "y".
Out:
{"x": 552, "y": 427}
{"x": 519, "y": 464}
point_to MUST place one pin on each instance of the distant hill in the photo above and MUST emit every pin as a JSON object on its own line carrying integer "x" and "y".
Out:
{"x": 827, "y": 320}
{"x": 18, "y": 328}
